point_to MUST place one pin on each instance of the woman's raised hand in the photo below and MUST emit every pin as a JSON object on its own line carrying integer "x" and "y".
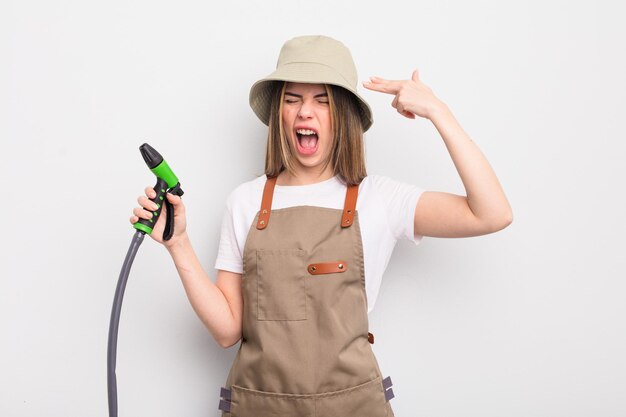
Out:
{"x": 412, "y": 97}
{"x": 148, "y": 206}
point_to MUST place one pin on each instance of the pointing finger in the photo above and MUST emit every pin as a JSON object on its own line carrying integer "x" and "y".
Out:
{"x": 382, "y": 85}
{"x": 415, "y": 77}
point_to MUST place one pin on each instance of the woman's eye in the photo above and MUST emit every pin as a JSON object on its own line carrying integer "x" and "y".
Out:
{"x": 290, "y": 100}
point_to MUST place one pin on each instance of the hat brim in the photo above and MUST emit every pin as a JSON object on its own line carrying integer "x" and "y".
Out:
{"x": 302, "y": 72}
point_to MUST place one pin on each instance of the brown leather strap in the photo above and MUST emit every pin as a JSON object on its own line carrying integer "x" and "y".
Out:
{"x": 349, "y": 206}
{"x": 266, "y": 203}
{"x": 327, "y": 267}
{"x": 370, "y": 338}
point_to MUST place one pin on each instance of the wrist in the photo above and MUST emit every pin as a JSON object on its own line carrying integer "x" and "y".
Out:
{"x": 177, "y": 243}
{"x": 438, "y": 109}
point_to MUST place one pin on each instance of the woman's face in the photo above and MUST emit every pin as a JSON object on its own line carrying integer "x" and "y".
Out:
{"x": 307, "y": 123}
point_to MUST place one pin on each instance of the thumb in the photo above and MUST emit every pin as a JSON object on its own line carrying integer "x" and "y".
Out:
{"x": 415, "y": 76}
{"x": 174, "y": 199}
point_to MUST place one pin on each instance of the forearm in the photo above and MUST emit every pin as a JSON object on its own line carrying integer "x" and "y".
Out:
{"x": 485, "y": 196}
{"x": 205, "y": 297}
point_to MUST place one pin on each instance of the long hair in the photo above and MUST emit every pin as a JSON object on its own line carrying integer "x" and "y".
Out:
{"x": 347, "y": 155}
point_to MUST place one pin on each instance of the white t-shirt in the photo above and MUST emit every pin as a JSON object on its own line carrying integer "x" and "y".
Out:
{"x": 386, "y": 210}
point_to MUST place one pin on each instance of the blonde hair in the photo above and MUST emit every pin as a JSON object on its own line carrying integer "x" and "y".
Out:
{"x": 347, "y": 155}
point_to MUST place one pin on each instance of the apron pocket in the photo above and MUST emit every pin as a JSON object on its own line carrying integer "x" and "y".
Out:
{"x": 281, "y": 285}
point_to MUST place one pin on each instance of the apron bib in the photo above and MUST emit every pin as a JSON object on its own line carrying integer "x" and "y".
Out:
{"x": 305, "y": 348}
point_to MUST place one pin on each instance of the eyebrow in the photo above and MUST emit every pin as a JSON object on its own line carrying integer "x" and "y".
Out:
{"x": 287, "y": 93}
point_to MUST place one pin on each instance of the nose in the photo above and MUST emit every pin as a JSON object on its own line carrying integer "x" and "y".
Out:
{"x": 305, "y": 110}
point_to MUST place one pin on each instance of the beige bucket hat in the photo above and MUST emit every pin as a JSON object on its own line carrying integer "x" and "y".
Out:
{"x": 315, "y": 60}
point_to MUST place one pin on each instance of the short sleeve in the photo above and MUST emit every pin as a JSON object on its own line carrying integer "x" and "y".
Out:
{"x": 229, "y": 257}
{"x": 400, "y": 200}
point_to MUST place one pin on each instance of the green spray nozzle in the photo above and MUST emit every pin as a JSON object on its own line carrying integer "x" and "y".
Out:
{"x": 166, "y": 182}
{"x": 157, "y": 165}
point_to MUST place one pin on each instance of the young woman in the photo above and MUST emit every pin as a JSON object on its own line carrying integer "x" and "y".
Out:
{"x": 304, "y": 247}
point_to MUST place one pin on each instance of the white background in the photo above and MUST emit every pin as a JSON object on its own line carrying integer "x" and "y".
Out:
{"x": 529, "y": 321}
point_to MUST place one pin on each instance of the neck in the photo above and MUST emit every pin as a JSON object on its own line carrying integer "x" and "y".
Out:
{"x": 304, "y": 177}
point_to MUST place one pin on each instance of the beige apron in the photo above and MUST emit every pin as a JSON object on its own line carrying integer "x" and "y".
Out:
{"x": 305, "y": 350}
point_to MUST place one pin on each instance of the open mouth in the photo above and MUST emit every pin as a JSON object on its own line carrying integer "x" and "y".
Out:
{"x": 307, "y": 141}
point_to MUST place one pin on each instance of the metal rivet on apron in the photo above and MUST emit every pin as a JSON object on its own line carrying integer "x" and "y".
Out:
{"x": 347, "y": 220}
{"x": 262, "y": 221}
{"x": 264, "y": 211}
{"x": 340, "y": 266}
{"x": 313, "y": 268}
